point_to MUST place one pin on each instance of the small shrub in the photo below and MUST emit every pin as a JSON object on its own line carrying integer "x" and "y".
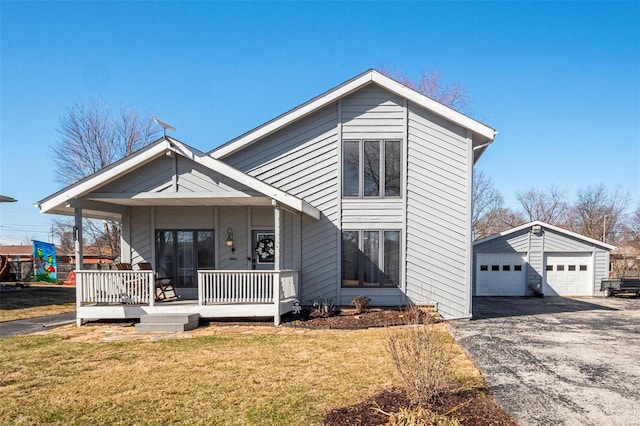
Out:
{"x": 419, "y": 417}
{"x": 423, "y": 356}
{"x": 361, "y": 303}
{"x": 323, "y": 308}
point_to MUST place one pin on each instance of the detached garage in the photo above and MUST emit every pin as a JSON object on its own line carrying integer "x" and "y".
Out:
{"x": 538, "y": 258}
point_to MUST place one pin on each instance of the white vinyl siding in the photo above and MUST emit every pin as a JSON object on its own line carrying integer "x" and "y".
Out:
{"x": 437, "y": 237}
{"x": 372, "y": 112}
{"x": 141, "y": 235}
{"x": 302, "y": 159}
{"x": 157, "y": 177}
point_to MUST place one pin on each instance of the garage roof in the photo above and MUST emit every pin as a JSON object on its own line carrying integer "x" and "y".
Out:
{"x": 547, "y": 226}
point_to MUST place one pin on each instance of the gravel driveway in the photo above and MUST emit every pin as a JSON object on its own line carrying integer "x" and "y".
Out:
{"x": 559, "y": 361}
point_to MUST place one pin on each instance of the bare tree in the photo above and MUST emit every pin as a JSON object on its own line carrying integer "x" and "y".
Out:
{"x": 631, "y": 229}
{"x": 598, "y": 212}
{"x": 486, "y": 201}
{"x": 497, "y": 220}
{"x": 91, "y": 138}
{"x": 550, "y": 206}
{"x": 431, "y": 84}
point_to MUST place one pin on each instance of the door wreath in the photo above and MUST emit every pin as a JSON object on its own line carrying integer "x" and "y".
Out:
{"x": 266, "y": 250}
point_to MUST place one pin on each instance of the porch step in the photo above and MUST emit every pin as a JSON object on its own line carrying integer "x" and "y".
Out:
{"x": 168, "y": 322}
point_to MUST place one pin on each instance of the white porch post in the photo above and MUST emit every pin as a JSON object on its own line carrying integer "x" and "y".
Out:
{"x": 277, "y": 230}
{"x": 278, "y": 259}
{"x": 78, "y": 248}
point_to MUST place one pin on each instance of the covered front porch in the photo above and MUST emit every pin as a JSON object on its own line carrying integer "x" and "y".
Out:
{"x": 195, "y": 220}
{"x": 131, "y": 294}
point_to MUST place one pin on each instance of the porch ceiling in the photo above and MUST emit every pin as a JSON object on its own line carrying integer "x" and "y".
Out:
{"x": 182, "y": 200}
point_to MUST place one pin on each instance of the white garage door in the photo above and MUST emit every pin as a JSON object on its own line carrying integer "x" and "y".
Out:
{"x": 500, "y": 274}
{"x": 568, "y": 274}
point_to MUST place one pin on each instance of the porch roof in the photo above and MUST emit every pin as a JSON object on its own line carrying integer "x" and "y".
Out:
{"x": 85, "y": 194}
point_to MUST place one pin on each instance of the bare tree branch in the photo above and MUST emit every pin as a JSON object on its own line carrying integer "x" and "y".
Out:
{"x": 550, "y": 207}
{"x": 431, "y": 84}
{"x": 598, "y": 212}
{"x": 91, "y": 138}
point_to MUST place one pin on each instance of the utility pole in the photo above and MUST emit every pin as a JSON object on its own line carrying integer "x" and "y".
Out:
{"x": 604, "y": 228}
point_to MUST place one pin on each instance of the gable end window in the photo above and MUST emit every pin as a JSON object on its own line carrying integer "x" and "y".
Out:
{"x": 371, "y": 168}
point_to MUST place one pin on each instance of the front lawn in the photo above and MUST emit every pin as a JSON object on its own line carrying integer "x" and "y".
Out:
{"x": 266, "y": 376}
{"x": 36, "y": 300}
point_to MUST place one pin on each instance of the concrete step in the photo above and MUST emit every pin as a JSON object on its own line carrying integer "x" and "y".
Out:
{"x": 168, "y": 326}
{"x": 168, "y": 322}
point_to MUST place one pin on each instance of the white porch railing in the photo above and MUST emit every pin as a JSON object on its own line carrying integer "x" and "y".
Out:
{"x": 114, "y": 287}
{"x": 230, "y": 287}
{"x": 214, "y": 287}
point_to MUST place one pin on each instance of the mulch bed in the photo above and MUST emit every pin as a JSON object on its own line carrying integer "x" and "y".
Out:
{"x": 347, "y": 319}
{"x": 473, "y": 408}
{"x": 469, "y": 408}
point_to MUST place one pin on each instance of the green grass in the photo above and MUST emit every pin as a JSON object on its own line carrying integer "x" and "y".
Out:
{"x": 37, "y": 300}
{"x": 268, "y": 377}
{"x": 240, "y": 379}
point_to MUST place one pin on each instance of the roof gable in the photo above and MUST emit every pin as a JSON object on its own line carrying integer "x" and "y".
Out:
{"x": 556, "y": 229}
{"x": 483, "y": 134}
{"x": 109, "y": 177}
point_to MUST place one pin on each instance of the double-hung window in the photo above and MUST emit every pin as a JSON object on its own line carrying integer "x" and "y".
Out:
{"x": 371, "y": 168}
{"x": 371, "y": 258}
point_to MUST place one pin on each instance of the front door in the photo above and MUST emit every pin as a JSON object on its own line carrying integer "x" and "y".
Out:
{"x": 180, "y": 253}
{"x": 264, "y": 249}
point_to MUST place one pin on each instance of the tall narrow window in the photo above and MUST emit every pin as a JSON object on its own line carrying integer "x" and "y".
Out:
{"x": 371, "y": 168}
{"x": 350, "y": 262}
{"x": 371, "y": 251}
{"x": 351, "y": 169}
{"x": 392, "y": 258}
{"x": 391, "y": 168}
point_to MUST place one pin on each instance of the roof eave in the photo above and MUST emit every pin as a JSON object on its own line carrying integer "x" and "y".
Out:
{"x": 344, "y": 89}
{"x": 544, "y": 225}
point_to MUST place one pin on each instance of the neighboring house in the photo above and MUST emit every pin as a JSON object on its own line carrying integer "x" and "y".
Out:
{"x": 625, "y": 262}
{"x": 538, "y": 258}
{"x": 363, "y": 190}
{"x": 20, "y": 258}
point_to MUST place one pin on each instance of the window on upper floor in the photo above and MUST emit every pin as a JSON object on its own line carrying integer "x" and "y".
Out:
{"x": 371, "y": 168}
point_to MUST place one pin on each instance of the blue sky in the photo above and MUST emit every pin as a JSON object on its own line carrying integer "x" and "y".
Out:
{"x": 559, "y": 81}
